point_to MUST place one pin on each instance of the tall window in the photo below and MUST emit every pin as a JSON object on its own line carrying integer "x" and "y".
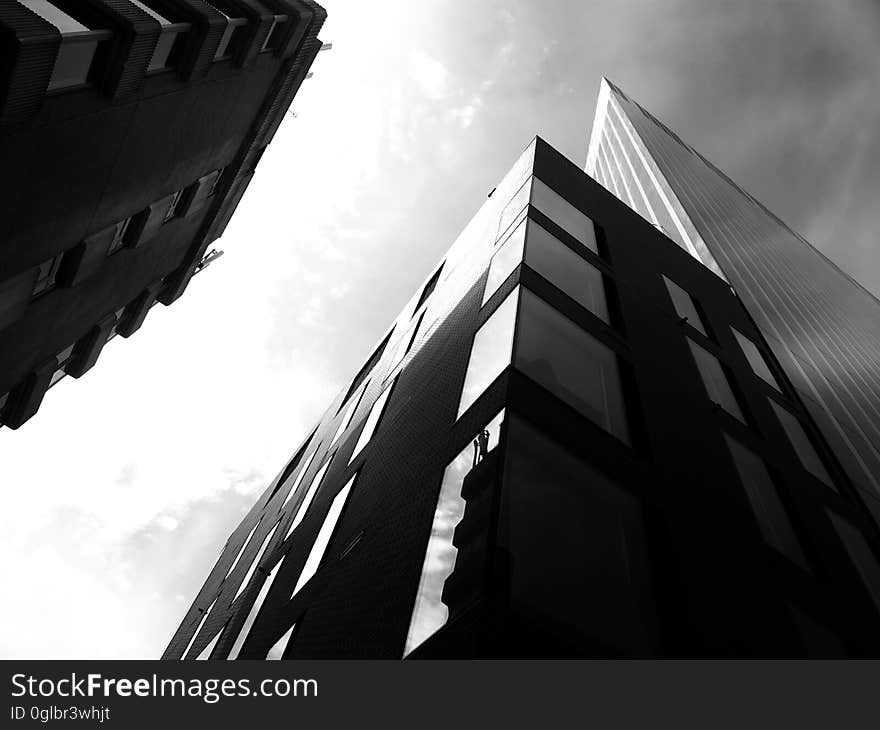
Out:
{"x": 406, "y": 343}
{"x": 258, "y": 556}
{"x": 564, "y": 214}
{"x": 316, "y": 554}
{"x": 571, "y": 363}
{"x": 715, "y": 380}
{"x": 347, "y": 416}
{"x": 172, "y": 207}
{"x": 505, "y": 260}
{"x": 429, "y": 612}
{"x": 562, "y": 267}
{"x": 491, "y": 351}
{"x": 118, "y": 240}
{"x": 372, "y": 422}
{"x": 685, "y": 306}
{"x": 242, "y": 548}
{"x": 429, "y": 288}
{"x": 368, "y": 366}
{"x": 299, "y": 477}
{"x": 756, "y": 359}
{"x": 202, "y": 620}
{"x": 258, "y": 601}
{"x": 303, "y": 507}
{"x": 801, "y": 444}
{"x": 766, "y": 505}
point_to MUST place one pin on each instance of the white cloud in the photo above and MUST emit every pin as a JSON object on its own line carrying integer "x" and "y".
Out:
{"x": 430, "y": 74}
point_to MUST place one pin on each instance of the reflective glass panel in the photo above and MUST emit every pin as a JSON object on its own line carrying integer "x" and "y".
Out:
{"x": 564, "y": 214}
{"x": 766, "y": 504}
{"x": 299, "y": 476}
{"x": 255, "y": 563}
{"x": 198, "y": 629}
{"x": 372, "y": 422}
{"x": 429, "y": 612}
{"x": 715, "y": 380}
{"x": 279, "y": 647}
{"x": 505, "y": 260}
{"x": 307, "y": 500}
{"x": 860, "y": 553}
{"x": 571, "y": 363}
{"x": 258, "y": 601}
{"x": 346, "y": 418}
{"x": 561, "y": 266}
{"x": 684, "y": 306}
{"x": 515, "y": 207}
{"x": 241, "y": 549}
{"x": 316, "y": 555}
{"x": 491, "y": 351}
{"x": 756, "y": 359}
{"x": 802, "y": 445}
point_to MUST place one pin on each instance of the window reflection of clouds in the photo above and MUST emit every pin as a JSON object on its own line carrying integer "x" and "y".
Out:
{"x": 491, "y": 351}
{"x": 505, "y": 261}
{"x": 564, "y": 214}
{"x": 429, "y": 612}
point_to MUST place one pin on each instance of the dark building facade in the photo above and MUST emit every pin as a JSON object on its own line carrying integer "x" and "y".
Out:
{"x": 574, "y": 441}
{"x": 823, "y": 326}
{"x": 129, "y": 131}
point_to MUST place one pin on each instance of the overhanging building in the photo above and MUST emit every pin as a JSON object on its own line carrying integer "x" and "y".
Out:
{"x": 574, "y": 441}
{"x": 129, "y": 132}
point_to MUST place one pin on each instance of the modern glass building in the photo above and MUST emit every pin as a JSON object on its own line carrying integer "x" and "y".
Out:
{"x": 574, "y": 441}
{"x": 821, "y": 324}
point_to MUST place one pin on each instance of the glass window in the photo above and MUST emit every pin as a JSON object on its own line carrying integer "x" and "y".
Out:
{"x": 715, "y": 380}
{"x": 346, "y": 419}
{"x": 564, "y": 215}
{"x": 406, "y": 343}
{"x": 316, "y": 555}
{"x": 515, "y": 206}
{"x": 280, "y": 646}
{"x": 209, "y": 649}
{"x": 685, "y": 306}
{"x": 241, "y": 549}
{"x": 202, "y": 620}
{"x": 756, "y": 359}
{"x": 577, "y": 550}
{"x": 772, "y": 518}
{"x": 299, "y": 476}
{"x": 429, "y": 288}
{"x": 505, "y": 260}
{"x": 562, "y": 267}
{"x": 571, "y": 364}
{"x": 255, "y": 562}
{"x": 303, "y": 507}
{"x": 368, "y": 366}
{"x": 491, "y": 351}
{"x": 860, "y": 553}
{"x": 801, "y": 443}
{"x": 429, "y": 611}
{"x": 372, "y": 422}
{"x": 258, "y": 601}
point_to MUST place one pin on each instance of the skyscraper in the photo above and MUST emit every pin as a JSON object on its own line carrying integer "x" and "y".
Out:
{"x": 572, "y": 441}
{"x": 129, "y": 132}
{"x": 821, "y": 324}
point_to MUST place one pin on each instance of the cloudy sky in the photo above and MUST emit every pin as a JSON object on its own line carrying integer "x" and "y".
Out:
{"x": 121, "y": 492}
